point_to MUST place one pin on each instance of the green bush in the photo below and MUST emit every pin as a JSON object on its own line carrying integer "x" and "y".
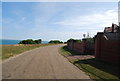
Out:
{"x": 90, "y": 39}
{"x": 38, "y": 41}
{"x": 55, "y": 41}
{"x": 30, "y": 41}
{"x": 74, "y": 40}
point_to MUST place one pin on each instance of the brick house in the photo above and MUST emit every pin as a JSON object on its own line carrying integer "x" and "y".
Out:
{"x": 113, "y": 29}
{"x": 107, "y": 44}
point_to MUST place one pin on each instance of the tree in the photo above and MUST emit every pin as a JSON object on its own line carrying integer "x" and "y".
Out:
{"x": 74, "y": 40}
{"x": 90, "y": 39}
{"x": 70, "y": 40}
{"x": 30, "y": 41}
{"x": 55, "y": 41}
{"x": 38, "y": 41}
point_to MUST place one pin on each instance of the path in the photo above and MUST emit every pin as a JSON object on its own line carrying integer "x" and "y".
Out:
{"x": 41, "y": 63}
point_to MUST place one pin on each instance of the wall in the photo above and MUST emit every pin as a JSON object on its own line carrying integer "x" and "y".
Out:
{"x": 107, "y": 50}
{"x": 90, "y": 46}
{"x": 83, "y": 47}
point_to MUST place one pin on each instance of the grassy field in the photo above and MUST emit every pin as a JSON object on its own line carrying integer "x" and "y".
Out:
{"x": 12, "y": 50}
{"x": 96, "y": 69}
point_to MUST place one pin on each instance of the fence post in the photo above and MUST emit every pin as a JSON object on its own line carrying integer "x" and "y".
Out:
{"x": 84, "y": 46}
{"x": 72, "y": 44}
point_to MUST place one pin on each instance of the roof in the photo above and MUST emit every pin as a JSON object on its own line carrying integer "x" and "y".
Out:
{"x": 110, "y": 29}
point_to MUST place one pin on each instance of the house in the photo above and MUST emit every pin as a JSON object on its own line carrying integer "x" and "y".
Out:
{"x": 107, "y": 44}
{"x": 113, "y": 29}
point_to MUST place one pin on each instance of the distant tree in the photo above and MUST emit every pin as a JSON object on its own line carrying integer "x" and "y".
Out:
{"x": 65, "y": 42}
{"x": 38, "y": 41}
{"x": 30, "y": 41}
{"x": 77, "y": 40}
{"x": 74, "y": 40}
{"x": 55, "y": 41}
{"x": 23, "y": 42}
{"x": 71, "y": 39}
{"x": 90, "y": 39}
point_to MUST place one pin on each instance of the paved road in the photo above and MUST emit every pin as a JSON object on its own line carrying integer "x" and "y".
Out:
{"x": 41, "y": 63}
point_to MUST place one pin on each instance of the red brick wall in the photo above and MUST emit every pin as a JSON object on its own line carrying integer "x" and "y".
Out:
{"x": 79, "y": 47}
{"x": 107, "y": 50}
{"x": 70, "y": 45}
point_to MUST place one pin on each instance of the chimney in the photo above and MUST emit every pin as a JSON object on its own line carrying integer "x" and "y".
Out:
{"x": 112, "y": 27}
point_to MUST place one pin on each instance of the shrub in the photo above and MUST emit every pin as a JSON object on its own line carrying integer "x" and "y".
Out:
{"x": 55, "y": 41}
{"x": 90, "y": 39}
{"x": 74, "y": 40}
{"x": 38, "y": 41}
{"x": 30, "y": 41}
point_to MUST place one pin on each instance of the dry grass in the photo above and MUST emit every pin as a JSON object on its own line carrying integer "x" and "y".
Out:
{"x": 12, "y": 50}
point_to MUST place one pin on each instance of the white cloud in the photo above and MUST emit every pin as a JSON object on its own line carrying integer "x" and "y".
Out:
{"x": 92, "y": 21}
{"x": 70, "y": 27}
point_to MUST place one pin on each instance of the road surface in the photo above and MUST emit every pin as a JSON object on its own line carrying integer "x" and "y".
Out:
{"x": 41, "y": 63}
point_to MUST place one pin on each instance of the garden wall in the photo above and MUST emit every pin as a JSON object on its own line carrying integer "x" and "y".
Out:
{"x": 107, "y": 50}
{"x": 83, "y": 47}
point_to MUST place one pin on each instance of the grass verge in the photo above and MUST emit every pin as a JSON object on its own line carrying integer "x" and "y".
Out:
{"x": 97, "y": 70}
{"x": 12, "y": 50}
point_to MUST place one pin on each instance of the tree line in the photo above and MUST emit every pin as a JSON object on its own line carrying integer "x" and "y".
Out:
{"x": 39, "y": 41}
{"x": 30, "y": 41}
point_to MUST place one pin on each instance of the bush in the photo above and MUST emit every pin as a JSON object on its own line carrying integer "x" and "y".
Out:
{"x": 55, "y": 41}
{"x": 70, "y": 40}
{"x": 90, "y": 39}
{"x": 77, "y": 41}
{"x": 30, "y": 41}
{"x": 74, "y": 40}
{"x": 38, "y": 41}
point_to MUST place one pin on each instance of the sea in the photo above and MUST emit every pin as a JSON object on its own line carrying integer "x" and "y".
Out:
{"x": 12, "y": 42}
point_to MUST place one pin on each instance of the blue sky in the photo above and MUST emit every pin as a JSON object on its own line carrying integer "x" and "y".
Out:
{"x": 56, "y": 20}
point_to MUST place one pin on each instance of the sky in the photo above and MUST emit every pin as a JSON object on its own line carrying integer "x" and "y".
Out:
{"x": 56, "y": 20}
{"x": 59, "y": 0}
